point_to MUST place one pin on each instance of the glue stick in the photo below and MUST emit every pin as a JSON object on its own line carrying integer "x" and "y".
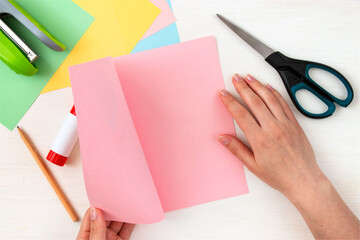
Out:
{"x": 65, "y": 141}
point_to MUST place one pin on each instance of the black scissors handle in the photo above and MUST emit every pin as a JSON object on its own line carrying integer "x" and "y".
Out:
{"x": 295, "y": 75}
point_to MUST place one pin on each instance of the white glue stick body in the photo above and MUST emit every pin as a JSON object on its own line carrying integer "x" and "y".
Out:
{"x": 65, "y": 141}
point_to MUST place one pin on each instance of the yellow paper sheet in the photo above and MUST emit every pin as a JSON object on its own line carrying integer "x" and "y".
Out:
{"x": 118, "y": 26}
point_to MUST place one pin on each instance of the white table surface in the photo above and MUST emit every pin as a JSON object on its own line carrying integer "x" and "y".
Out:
{"x": 327, "y": 31}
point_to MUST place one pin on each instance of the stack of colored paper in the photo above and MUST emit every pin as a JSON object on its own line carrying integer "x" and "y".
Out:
{"x": 120, "y": 27}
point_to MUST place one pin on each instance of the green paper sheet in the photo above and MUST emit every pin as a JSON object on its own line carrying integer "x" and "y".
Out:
{"x": 63, "y": 19}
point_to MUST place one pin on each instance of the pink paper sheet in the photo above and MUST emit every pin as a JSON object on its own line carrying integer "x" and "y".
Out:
{"x": 165, "y": 18}
{"x": 116, "y": 175}
{"x": 172, "y": 96}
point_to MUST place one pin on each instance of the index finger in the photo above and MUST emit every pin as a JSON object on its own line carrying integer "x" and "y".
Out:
{"x": 241, "y": 115}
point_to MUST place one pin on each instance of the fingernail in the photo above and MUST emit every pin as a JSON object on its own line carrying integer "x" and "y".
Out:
{"x": 250, "y": 78}
{"x": 237, "y": 77}
{"x": 224, "y": 140}
{"x": 269, "y": 87}
{"x": 224, "y": 92}
{"x": 93, "y": 214}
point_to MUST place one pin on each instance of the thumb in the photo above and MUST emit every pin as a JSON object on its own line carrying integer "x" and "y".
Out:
{"x": 97, "y": 225}
{"x": 240, "y": 150}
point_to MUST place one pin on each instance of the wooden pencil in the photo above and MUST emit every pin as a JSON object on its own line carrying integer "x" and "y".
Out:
{"x": 48, "y": 176}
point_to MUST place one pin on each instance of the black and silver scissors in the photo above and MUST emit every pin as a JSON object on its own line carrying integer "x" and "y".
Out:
{"x": 295, "y": 74}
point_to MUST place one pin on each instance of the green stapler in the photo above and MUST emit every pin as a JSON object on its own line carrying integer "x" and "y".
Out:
{"x": 14, "y": 52}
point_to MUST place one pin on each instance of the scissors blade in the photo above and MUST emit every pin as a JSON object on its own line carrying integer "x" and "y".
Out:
{"x": 260, "y": 47}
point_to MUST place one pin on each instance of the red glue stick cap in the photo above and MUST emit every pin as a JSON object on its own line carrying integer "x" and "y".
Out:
{"x": 56, "y": 158}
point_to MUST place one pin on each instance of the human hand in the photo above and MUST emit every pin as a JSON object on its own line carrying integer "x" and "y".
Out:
{"x": 280, "y": 153}
{"x": 94, "y": 227}
{"x": 282, "y": 157}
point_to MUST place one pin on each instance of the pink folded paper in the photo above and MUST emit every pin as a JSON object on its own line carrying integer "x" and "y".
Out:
{"x": 165, "y": 18}
{"x": 148, "y": 127}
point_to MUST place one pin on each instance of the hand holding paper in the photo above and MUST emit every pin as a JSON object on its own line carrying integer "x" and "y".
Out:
{"x": 150, "y": 121}
{"x": 117, "y": 178}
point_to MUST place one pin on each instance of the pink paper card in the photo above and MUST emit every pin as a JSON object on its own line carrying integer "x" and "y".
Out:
{"x": 160, "y": 113}
{"x": 165, "y": 18}
{"x": 172, "y": 94}
{"x": 116, "y": 175}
